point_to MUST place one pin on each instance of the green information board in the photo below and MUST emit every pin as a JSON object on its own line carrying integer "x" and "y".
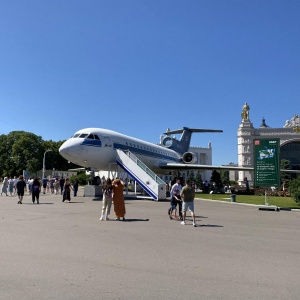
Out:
{"x": 266, "y": 162}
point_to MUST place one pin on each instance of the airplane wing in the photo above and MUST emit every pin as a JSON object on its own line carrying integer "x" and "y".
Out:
{"x": 177, "y": 166}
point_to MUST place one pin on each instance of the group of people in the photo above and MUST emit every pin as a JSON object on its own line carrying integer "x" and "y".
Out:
{"x": 14, "y": 185}
{"x": 54, "y": 185}
{"x": 113, "y": 193}
{"x": 183, "y": 197}
{"x": 36, "y": 186}
{"x": 9, "y": 185}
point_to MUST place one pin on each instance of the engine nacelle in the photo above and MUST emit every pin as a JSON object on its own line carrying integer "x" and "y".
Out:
{"x": 189, "y": 158}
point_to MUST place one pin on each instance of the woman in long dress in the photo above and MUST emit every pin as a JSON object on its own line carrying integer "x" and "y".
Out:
{"x": 11, "y": 184}
{"x": 67, "y": 191}
{"x": 4, "y": 186}
{"x": 118, "y": 198}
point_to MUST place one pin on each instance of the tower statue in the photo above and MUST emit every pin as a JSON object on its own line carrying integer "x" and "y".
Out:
{"x": 245, "y": 112}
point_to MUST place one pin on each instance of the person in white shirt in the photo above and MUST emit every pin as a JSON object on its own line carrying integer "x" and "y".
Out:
{"x": 15, "y": 183}
{"x": 176, "y": 186}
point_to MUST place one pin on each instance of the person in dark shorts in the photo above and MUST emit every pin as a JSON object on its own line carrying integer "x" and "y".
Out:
{"x": 174, "y": 201}
{"x": 21, "y": 187}
{"x": 45, "y": 182}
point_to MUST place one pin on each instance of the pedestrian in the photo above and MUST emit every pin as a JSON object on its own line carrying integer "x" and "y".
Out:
{"x": 75, "y": 186}
{"x": 61, "y": 183}
{"x": 176, "y": 186}
{"x": 206, "y": 186}
{"x": 56, "y": 186}
{"x": 173, "y": 208}
{"x": 118, "y": 198}
{"x": 187, "y": 195}
{"x": 67, "y": 191}
{"x": 107, "y": 191}
{"x": 21, "y": 187}
{"x": 4, "y": 186}
{"x": 16, "y": 179}
{"x": 45, "y": 183}
{"x": 10, "y": 185}
{"x": 51, "y": 183}
{"x": 35, "y": 190}
{"x": 30, "y": 181}
{"x": 179, "y": 203}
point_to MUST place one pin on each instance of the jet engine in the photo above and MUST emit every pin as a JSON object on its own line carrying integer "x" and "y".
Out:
{"x": 189, "y": 157}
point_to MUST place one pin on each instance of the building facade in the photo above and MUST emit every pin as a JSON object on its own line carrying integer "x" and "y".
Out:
{"x": 289, "y": 136}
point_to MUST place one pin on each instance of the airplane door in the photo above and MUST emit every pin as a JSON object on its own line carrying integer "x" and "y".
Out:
{"x": 107, "y": 142}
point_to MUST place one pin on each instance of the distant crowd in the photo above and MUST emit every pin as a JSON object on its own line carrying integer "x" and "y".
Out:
{"x": 181, "y": 197}
{"x": 34, "y": 186}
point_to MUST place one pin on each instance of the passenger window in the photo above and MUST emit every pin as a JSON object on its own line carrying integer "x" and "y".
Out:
{"x": 83, "y": 135}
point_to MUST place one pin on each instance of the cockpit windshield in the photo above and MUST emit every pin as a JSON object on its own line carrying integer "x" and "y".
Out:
{"x": 86, "y": 136}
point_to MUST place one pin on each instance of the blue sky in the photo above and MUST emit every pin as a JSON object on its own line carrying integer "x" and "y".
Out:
{"x": 140, "y": 67}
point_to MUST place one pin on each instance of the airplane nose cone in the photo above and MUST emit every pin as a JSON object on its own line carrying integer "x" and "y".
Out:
{"x": 68, "y": 149}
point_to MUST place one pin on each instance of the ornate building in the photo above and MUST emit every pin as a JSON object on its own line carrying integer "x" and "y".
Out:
{"x": 289, "y": 136}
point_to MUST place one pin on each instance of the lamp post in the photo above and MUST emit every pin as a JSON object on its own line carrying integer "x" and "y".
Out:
{"x": 44, "y": 162}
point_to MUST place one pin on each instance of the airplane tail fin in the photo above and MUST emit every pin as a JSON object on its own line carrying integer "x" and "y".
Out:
{"x": 181, "y": 146}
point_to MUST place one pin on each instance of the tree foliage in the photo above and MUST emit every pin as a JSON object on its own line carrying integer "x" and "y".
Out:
{"x": 294, "y": 188}
{"x": 284, "y": 176}
{"x": 225, "y": 177}
{"x": 216, "y": 178}
{"x": 20, "y": 150}
{"x": 82, "y": 178}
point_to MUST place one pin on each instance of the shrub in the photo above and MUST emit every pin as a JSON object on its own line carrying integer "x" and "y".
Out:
{"x": 81, "y": 177}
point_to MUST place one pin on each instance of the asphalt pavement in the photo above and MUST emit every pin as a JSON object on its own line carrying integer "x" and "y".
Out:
{"x": 58, "y": 250}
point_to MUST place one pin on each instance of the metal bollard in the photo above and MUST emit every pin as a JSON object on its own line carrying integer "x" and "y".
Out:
{"x": 233, "y": 197}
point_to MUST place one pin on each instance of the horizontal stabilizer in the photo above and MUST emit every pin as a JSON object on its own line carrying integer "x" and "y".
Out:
{"x": 192, "y": 130}
{"x": 77, "y": 169}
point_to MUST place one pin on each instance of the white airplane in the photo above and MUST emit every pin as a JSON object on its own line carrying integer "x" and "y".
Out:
{"x": 95, "y": 149}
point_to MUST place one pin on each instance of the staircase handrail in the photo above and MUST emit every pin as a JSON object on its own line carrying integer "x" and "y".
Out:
{"x": 144, "y": 167}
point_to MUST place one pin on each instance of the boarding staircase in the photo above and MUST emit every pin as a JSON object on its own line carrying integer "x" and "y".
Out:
{"x": 146, "y": 178}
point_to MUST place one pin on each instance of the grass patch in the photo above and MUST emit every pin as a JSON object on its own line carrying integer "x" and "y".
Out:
{"x": 282, "y": 202}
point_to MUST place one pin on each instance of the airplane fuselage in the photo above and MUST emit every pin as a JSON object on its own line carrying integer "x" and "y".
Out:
{"x": 95, "y": 148}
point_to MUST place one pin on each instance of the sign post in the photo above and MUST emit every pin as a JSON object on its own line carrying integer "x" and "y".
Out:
{"x": 266, "y": 163}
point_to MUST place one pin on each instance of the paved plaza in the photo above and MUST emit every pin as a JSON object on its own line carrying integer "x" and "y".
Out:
{"x": 58, "y": 250}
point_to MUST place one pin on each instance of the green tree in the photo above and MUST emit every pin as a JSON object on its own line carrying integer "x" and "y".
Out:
{"x": 81, "y": 177}
{"x": 198, "y": 180}
{"x": 295, "y": 189}
{"x": 191, "y": 176}
{"x": 225, "y": 177}
{"x": 54, "y": 160}
{"x": 216, "y": 178}
{"x": 19, "y": 150}
{"x": 285, "y": 176}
